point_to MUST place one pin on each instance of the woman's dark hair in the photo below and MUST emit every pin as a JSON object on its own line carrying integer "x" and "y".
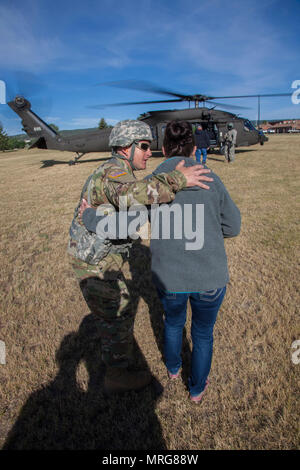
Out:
{"x": 178, "y": 139}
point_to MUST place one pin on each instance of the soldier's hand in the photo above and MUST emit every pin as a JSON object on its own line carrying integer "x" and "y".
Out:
{"x": 194, "y": 174}
{"x": 84, "y": 205}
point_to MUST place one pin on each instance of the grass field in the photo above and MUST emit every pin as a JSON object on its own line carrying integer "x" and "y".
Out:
{"x": 51, "y": 394}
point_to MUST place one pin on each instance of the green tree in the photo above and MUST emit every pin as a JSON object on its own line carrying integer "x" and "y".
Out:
{"x": 54, "y": 127}
{"x": 15, "y": 143}
{"x": 4, "y": 139}
{"x": 102, "y": 124}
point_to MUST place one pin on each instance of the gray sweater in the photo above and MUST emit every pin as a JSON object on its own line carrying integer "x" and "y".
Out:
{"x": 176, "y": 265}
{"x": 196, "y": 261}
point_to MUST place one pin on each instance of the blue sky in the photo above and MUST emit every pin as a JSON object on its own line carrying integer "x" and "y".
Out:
{"x": 213, "y": 47}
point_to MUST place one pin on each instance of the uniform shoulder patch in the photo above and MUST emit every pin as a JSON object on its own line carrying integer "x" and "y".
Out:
{"x": 117, "y": 174}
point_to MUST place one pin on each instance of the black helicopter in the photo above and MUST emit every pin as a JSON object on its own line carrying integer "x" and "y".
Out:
{"x": 96, "y": 140}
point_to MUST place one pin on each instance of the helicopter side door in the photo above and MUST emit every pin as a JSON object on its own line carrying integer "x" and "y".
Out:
{"x": 161, "y": 127}
{"x": 155, "y": 134}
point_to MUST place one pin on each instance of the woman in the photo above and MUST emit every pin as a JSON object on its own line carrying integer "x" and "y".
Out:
{"x": 197, "y": 272}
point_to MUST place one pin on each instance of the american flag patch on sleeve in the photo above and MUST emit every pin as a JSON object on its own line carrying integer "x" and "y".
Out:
{"x": 117, "y": 174}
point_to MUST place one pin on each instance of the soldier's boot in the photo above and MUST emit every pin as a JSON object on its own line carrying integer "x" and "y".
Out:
{"x": 119, "y": 380}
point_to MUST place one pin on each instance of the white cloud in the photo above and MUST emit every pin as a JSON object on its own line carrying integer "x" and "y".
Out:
{"x": 209, "y": 47}
{"x": 211, "y": 36}
{"x": 52, "y": 118}
{"x": 86, "y": 122}
{"x": 20, "y": 47}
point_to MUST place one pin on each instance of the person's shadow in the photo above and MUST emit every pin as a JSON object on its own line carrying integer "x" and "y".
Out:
{"x": 65, "y": 415}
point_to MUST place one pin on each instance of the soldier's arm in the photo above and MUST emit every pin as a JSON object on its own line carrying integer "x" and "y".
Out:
{"x": 160, "y": 188}
{"x": 234, "y": 138}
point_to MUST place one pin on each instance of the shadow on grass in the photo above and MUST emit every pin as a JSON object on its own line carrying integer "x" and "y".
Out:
{"x": 64, "y": 414}
{"x": 76, "y": 414}
{"x": 48, "y": 163}
{"x": 155, "y": 154}
{"x": 246, "y": 150}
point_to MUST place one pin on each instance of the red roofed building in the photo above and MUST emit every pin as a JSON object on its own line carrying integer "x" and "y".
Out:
{"x": 279, "y": 127}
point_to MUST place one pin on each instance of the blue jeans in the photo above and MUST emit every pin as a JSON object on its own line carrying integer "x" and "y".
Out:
{"x": 205, "y": 307}
{"x": 198, "y": 154}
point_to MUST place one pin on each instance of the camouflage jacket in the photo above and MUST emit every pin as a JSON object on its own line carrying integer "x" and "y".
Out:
{"x": 106, "y": 185}
{"x": 230, "y": 136}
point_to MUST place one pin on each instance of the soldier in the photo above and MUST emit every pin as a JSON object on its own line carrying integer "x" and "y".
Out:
{"x": 229, "y": 142}
{"x": 97, "y": 262}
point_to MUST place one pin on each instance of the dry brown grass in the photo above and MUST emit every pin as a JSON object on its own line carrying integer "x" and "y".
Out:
{"x": 51, "y": 386}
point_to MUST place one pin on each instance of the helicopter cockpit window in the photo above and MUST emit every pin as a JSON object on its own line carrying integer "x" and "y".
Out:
{"x": 248, "y": 126}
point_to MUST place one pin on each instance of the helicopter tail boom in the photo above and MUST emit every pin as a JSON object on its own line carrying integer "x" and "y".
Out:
{"x": 33, "y": 125}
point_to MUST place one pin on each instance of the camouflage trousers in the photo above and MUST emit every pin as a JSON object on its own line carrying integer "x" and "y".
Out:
{"x": 229, "y": 151}
{"x": 104, "y": 289}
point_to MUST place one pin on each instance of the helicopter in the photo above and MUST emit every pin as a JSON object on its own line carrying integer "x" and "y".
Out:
{"x": 96, "y": 140}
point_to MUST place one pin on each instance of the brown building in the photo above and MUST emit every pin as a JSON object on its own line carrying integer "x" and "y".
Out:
{"x": 279, "y": 127}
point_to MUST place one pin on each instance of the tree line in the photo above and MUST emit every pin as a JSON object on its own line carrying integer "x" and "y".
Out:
{"x": 9, "y": 143}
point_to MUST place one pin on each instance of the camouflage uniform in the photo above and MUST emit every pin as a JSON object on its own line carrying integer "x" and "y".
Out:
{"x": 229, "y": 147}
{"x": 97, "y": 263}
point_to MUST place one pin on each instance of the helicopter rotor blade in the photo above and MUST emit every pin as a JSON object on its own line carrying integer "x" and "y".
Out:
{"x": 29, "y": 86}
{"x": 143, "y": 85}
{"x": 252, "y": 96}
{"x": 24, "y": 84}
{"x": 101, "y": 106}
{"x": 228, "y": 106}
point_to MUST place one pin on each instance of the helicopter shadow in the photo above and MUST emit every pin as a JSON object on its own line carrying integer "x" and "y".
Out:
{"x": 75, "y": 414}
{"x": 222, "y": 159}
{"x": 48, "y": 163}
{"x": 245, "y": 150}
